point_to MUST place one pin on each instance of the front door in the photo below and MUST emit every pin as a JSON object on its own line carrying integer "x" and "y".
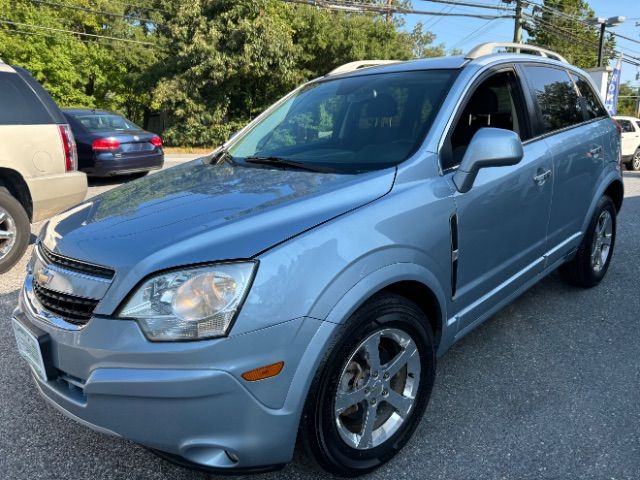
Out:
{"x": 502, "y": 220}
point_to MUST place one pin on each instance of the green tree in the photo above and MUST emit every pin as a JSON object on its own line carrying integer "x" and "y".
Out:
{"x": 574, "y": 40}
{"x": 628, "y": 100}
{"x": 231, "y": 59}
{"x": 79, "y": 70}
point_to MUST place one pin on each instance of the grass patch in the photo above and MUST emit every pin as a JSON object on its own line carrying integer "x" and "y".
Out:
{"x": 198, "y": 150}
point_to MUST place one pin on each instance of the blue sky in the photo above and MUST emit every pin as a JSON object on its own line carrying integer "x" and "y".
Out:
{"x": 455, "y": 31}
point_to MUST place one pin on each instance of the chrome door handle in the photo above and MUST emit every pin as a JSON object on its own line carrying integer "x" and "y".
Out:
{"x": 542, "y": 177}
{"x": 595, "y": 152}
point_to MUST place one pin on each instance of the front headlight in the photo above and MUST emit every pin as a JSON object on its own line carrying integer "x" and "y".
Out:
{"x": 190, "y": 304}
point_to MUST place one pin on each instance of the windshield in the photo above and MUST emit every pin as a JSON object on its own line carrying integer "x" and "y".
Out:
{"x": 105, "y": 122}
{"x": 351, "y": 124}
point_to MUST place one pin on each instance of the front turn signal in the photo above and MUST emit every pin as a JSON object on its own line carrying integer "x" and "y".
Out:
{"x": 261, "y": 373}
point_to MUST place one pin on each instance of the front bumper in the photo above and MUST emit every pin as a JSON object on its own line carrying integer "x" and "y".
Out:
{"x": 187, "y": 399}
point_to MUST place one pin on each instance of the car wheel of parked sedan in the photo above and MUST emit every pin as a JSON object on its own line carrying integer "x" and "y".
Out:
{"x": 634, "y": 164}
{"x": 369, "y": 396}
{"x": 591, "y": 262}
{"x": 14, "y": 231}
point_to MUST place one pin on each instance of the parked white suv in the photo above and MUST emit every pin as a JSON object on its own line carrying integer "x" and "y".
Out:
{"x": 38, "y": 161}
{"x": 630, "y": 141}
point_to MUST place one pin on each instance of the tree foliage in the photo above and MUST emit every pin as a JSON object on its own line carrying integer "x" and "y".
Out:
{"x": 628, "y": 100}
{"x": 574, "y": 40}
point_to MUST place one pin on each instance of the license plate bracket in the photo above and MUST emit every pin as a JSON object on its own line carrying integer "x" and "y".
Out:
{"x": 34, "y": 345}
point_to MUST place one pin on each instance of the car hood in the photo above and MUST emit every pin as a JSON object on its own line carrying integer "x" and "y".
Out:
{"x": 197, "y": 213}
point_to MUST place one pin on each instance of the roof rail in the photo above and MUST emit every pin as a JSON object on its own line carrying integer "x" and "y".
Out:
{"x": 488, "y": 48}
{"x": 352, "y": 66}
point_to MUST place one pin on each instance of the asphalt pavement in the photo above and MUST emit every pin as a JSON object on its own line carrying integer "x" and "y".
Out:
{"x": 549, "y": 388}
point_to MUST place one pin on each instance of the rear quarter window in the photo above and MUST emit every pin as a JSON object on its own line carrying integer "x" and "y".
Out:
{"x": 626, "y": 126}
{"x": 19, "y": 105}
{"x": 556, "y": 96}
{"x": 591, "y": 102}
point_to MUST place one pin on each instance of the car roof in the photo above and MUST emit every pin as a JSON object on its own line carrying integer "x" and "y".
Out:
{"x": 626, "y": 117}
{"x": 87, "y": 110}
{"x": 454, "y": 62}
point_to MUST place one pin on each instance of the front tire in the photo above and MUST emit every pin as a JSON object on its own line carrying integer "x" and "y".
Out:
{"x": 372, "y": 389}
{"x": 590, "y": 265}
{"x": 14, "y": 231}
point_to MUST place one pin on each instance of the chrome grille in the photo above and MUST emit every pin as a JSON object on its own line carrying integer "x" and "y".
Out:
{"x": 75, "y": 265}
{"x": 73, "y": 309}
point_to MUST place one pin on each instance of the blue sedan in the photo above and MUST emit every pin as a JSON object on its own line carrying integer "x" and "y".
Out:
{"x": 109, "y": 144}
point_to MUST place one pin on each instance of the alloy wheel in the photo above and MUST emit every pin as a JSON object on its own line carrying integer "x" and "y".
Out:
{"x": 377, "y": 388}
{"x": 601, "y": 246}
{"x": 636, "y": 161}
{"x": 8, "y": 233}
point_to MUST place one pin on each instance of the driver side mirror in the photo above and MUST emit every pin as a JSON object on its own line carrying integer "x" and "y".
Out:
{"x": 489, "y": 147}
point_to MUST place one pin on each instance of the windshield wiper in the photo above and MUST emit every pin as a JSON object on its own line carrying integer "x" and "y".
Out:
{"x": 284, "y": 162}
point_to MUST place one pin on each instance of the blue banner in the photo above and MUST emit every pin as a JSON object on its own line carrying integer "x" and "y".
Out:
{"x": 611, "y": 102}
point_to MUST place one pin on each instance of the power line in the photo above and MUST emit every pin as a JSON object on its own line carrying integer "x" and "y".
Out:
{"x": 48, "y": 35}
{"x": 93, "y": 35}
{"x": 470, "y": 4}
{"x": 89, "y": 10}
{"x": 349, "y": 6}
{"x": 140, "y": 7}
{"x": 584, "y": 21}
{"x": 473, "y": 34}
{"x": 586, "y": 42}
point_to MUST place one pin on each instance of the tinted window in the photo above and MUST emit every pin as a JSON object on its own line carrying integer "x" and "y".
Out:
{"x": 590, "y": 100}
{"x": 18, "y": 104}
{"x": 104, "y": 122}
{"x": 638, "y": 124}
{"x": 626, "y": 126}
{"x": 494, "y": 103}
{"x": 556, "y": 97}
{"x": 350, "y": 124}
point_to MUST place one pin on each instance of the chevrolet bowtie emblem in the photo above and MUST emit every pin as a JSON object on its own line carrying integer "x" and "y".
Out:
{"x": 43, "y": 276}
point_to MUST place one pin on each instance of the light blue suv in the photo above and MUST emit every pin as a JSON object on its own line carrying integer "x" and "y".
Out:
{"x": 302, "y": 280}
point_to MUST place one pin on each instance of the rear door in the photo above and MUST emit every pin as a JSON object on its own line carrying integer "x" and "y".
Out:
{"x": 576, "y": 144}
{"x": 629, "y": 134}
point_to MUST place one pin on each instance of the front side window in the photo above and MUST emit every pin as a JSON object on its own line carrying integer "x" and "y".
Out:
{"x": 494, "y": 103}
{"x": 556, "y": 97}
{"x": 590, "y": 101}
{"x": 350, "y": 124}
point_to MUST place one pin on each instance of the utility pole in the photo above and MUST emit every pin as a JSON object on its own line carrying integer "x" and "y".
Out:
{"x": 603, "y": 23}
{"x": 517, "y": 29}
{"x": 603, "y": 26}
{"x": 389, "y": 10}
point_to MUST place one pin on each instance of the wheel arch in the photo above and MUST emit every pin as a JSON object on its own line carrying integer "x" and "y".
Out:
{"x": 12, "y": 181}
{"x": 412, "y": 281}
{"x": 615, "y": 191}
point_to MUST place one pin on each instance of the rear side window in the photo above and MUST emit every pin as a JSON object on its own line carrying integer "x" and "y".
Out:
{"x": 626, "y": 126}
{"x": 556, "y": 97}
{"x": 592, "y": 104}
{"x": 19, "y": 105}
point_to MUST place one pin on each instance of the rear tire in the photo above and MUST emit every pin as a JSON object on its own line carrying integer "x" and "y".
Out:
{"x": 388, "y": 398}
{"x": 15, "y": 231}
{"x": 590, "y": 265}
